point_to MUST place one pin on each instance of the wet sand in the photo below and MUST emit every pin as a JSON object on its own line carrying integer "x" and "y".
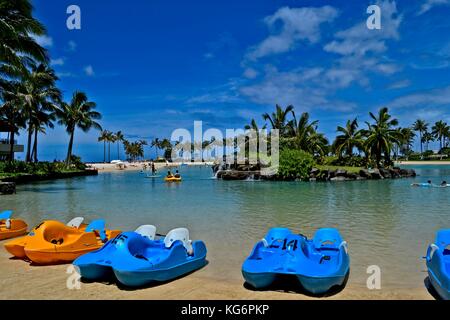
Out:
{"x": 20, "y": 280}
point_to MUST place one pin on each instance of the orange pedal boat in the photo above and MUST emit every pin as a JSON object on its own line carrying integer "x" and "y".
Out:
{"x": 10, "y": 228}
{"x": 53, "y": 242}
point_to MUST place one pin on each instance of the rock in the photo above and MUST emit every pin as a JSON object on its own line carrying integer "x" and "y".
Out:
{"x": 361, "y": 178}
{"x": 364, "y": 173}
{"x": 341, "y": 173}
{"x": 411, "y": 173}
{"x": 7, "y": 187}
{"x": 385, "y": 173}
{"x": 339, "y": 178}
{"x": 352, "y": 176}
{"x": 314, "y": 172}
{"x": 312, "y": 179}
{"x": 234, "y": 175}
{"x": 376, "y": 174}
{"x": 395, "y": 172}
{"x": 331, "y": 174}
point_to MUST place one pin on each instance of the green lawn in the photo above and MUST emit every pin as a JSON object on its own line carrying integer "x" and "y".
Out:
{"x": 348, "y": 169}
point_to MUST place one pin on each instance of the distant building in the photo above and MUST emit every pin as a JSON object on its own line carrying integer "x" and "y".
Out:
{"x": 5, "y": 147}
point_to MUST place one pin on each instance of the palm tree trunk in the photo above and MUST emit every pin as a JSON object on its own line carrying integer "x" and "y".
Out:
{"x": 30, "y": 133}
{"x": 69, "y": 150}
{"x": 104, "y": 151}
{"x": 109, "y": 151}
{"x": 420, "y": 137}
{"x": 11, "y": 145}
{"x": 34, "y": 152}
{"x": 118, "y": 151}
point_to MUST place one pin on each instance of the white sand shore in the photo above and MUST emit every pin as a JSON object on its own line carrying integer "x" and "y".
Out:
{"x": 130, "y": 166}
{"x": 19, "y": 280}
{"x": 415, "y": 163}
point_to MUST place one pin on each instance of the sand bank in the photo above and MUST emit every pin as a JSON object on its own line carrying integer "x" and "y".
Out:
{"x": 415, "y": 163}
{"x": 133, "y": 166}
{"x": 19, "y": 280}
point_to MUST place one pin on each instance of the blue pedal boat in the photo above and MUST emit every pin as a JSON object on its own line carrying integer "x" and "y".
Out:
{"x": 136, "y": 259}
{"x": 318, "y": 264}
{"x": 438, "y": 264}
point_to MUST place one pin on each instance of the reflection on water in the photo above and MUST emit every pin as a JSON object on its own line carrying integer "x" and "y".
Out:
{"x": 387, "y": 223}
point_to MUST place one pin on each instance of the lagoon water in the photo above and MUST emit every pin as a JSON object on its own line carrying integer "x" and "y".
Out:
{"x": 386, "y": 223}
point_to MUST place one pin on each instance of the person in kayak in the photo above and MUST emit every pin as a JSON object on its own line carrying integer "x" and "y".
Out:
{"x": 177, "y": 174}
{"x": 169, "y": 174}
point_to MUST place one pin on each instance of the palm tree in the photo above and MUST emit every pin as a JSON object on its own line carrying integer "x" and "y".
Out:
{"x": 167, "y": 146}
{"x": 79, "y": 113}
{"x": 42, "y": 121}
{"x": 119, "y": 138}
{"x": 421, "y": 126}
{"x": 38, "y": 94}
{"x": 350, "y": 138}
{"x": 427, "y": 138}
{"x": 254, "y": 127}
{"x": 440, "y": 129}
{"x": 142, "y": 143}
{"x": 157, "y": 144}
{"x": 11, "y": 113}
{"x": 110, "y": 139}
{"x": 406, "y": 139}
{"x": 278, "y": 119}
{"x": 16, "y": 26}
{"x": 104, "y": 134}
{"x": 381, "y": 136}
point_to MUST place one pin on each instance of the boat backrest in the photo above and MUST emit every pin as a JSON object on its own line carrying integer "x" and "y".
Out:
{"x": 98, "y": 225}
{"x": 327, "y": 238}
{"x": 274, "y": 235}
{"x": 147, "y": 230}
{"x": 443, "y": 238}
{"x": 6, "y": 215}
{"x": 179, "y": 234}
{"x": 75, "y": 222}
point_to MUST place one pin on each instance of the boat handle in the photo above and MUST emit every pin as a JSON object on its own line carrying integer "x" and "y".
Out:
{"x": 265, "y": 243}
{"x": 344, "y": 244}
{"x": 431, "y": 250}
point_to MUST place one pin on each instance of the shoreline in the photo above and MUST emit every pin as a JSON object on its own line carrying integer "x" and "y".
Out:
{"x": 51, "y": 283}
{"x": 424, "y": 162}
{"x": 135, "y": 166}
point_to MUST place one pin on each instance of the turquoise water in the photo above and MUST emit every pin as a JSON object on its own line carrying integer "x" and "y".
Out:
{"x": 387, "y": 223}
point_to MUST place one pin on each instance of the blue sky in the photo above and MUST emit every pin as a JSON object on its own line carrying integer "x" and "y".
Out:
{"x": 153, "y": 66}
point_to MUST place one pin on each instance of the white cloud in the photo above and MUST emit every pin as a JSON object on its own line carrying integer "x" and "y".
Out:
{"x": 429, "y": 4}
{"x": 89, "y": 70}
{"x": 308, "y": 88}
{"x": 65, "y": 74}
{"x": 71, "y": 45}
{"x": 359, "y": 40}
{"x": 44, "y": 41}
{"x": 298, "y": 24}
{"x": 400, "y": 84}
{"x": 250, "y": 73}
{"x": 430, "y": 98}
{"x": 57, "y": 62}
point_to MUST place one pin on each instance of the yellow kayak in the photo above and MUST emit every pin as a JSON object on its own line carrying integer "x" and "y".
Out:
{"x": 172, "y": 179}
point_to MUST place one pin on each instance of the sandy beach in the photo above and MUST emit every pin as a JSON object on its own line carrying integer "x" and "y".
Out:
{"x": 415, "y": 163}
{"x": 50, "y": 282}
{"x": 133, "y": 166}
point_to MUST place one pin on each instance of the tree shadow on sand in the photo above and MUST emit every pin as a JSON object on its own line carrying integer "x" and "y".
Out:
{"x": 110, "y": 279}
{"x": 290, "y": 284}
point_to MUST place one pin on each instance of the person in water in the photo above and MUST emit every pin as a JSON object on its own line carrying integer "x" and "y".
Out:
{"x": 153, "y": 168}
{"x": 177, "y": 174}
{"x": 444, "y": 184}
{"x": 429, "y": 181}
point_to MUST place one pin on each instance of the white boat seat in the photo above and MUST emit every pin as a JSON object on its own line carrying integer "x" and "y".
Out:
{"x": 8, "y": 223}
{"x": 147, "y": 230}
{"x": 179, "y": 234}
{"x": 75, "y": 222}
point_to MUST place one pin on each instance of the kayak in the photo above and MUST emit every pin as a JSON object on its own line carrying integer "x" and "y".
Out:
{"x": 172, "y": 179}
{"x": 52, "y": 242}
{"x": 136, "y": 259}
{"x": 438, "y": 264}
{"x": 11, "y": 228}
{"x": 317, "y": 265}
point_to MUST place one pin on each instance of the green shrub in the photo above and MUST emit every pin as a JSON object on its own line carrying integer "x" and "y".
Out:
{"x": 346, "y": 161}
{"x": 295, "y": 164}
